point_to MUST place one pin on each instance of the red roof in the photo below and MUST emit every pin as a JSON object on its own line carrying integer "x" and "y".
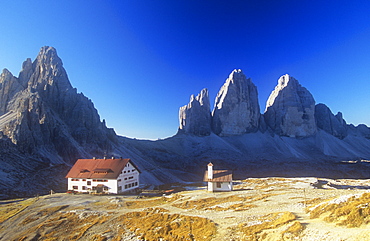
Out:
{"x": 219, "y": 176}
{"x": 98, "y": 168}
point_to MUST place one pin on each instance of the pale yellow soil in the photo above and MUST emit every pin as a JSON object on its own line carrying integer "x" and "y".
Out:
{"x": 255, "y": 204}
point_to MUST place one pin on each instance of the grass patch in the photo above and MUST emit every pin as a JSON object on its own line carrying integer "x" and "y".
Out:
{"x": 163, "y": 226}
{"x": 11, "y": 209}
{"x": 243, "y": 203}
{"x": 274, "y": 220}
{"x": 44, "y": 212}
{"x": 151, "y": 202}
{"x": 263, "y": 183}
{"x": 293, "y": 231}
{"x": 207, "y": 203}
{"x": 69, "y": 225}
{"x": 352, "y": 212}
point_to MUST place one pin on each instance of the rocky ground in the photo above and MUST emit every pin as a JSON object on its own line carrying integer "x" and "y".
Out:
{"x": 258, "y": 209}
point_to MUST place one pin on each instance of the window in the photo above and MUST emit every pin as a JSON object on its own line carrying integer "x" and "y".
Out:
{"x": 84, "y": 188}
{"x": 128, "y": 171}
{"x": 75, "y": 187}
{"x": 119, "y": 188}
{"x": 135, "y": 183}
{"x": 88, "y": 183}
{"x": 218, "y": 184}
{"x": 131, "y": 177}
{"x": 118, "y": 180}
{"x": 74, "y": 179}
{"x": 125, "y": 178}
{"x": 126, "y": 186}
{"x": 83, "y": 180}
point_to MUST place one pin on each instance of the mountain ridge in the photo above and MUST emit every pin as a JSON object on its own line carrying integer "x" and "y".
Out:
{"x": 45, "y": 126}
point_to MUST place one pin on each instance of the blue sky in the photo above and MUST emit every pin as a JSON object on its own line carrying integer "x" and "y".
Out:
{"x": 139, "y": 61}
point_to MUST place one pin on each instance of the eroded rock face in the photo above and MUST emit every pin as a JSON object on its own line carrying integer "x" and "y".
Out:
{"x": 42, "y": 113}
{"x": 236, "y": 110}
{"x": 9, "y": 86}
{"x": 290, "y": 109}
{"x": 327, "y": 121}
{"x": 195, "y": 117}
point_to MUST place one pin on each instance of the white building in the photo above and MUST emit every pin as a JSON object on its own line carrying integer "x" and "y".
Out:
{"x": 103, "y": 176}
{"x": 218, "y": 180}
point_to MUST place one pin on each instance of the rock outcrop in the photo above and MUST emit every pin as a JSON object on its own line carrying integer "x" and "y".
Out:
{"x": 327, "y": 121}
{"x": 9, "y": 86}
{"x": 290, "y": 109}
{"x": 236, "y": 108}
{"x": 195, "y": 117}
{"x": 43, "y": 114}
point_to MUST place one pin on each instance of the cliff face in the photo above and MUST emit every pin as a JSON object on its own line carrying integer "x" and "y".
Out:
{"x": 195, "y": 117}
{"x": 42, "y": 113}
{"x": 290, "y": 109}
{"x": 236, "y": 108}
{"x": 332, "y": 124}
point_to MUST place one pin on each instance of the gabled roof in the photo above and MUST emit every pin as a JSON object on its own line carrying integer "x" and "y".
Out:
{"x": 219, "y": 176}
{"x": 99, "y": 168}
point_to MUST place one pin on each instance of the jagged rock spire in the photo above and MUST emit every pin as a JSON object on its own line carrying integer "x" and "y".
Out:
{"x": 290, "y": 109}
{"x": 195, "y": 117}
{"x": 327, "y": 121}
{"x": 48, "y": 73}
{"x": 45, "y": 112}
{"x": 236, "y": 108}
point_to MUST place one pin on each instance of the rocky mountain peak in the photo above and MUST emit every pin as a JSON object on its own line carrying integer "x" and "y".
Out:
{"x": 327, "y": 121}
{"x": 42, "y": 110}
{"x": 284, "y": 82}
{"x": 5, "y": 74}
{"x": 195, "y": 117}
{"x": 47, "y": 71}
{"x": 236, "y": 74}
{"x": 236, "y": 108}
{"x": 290, "y": 109}
{"x": 26, "y": 72}
{"x": 9, "y": 86}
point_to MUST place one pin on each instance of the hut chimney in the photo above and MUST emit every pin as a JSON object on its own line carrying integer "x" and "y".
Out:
{"x": 210, "y": 170}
